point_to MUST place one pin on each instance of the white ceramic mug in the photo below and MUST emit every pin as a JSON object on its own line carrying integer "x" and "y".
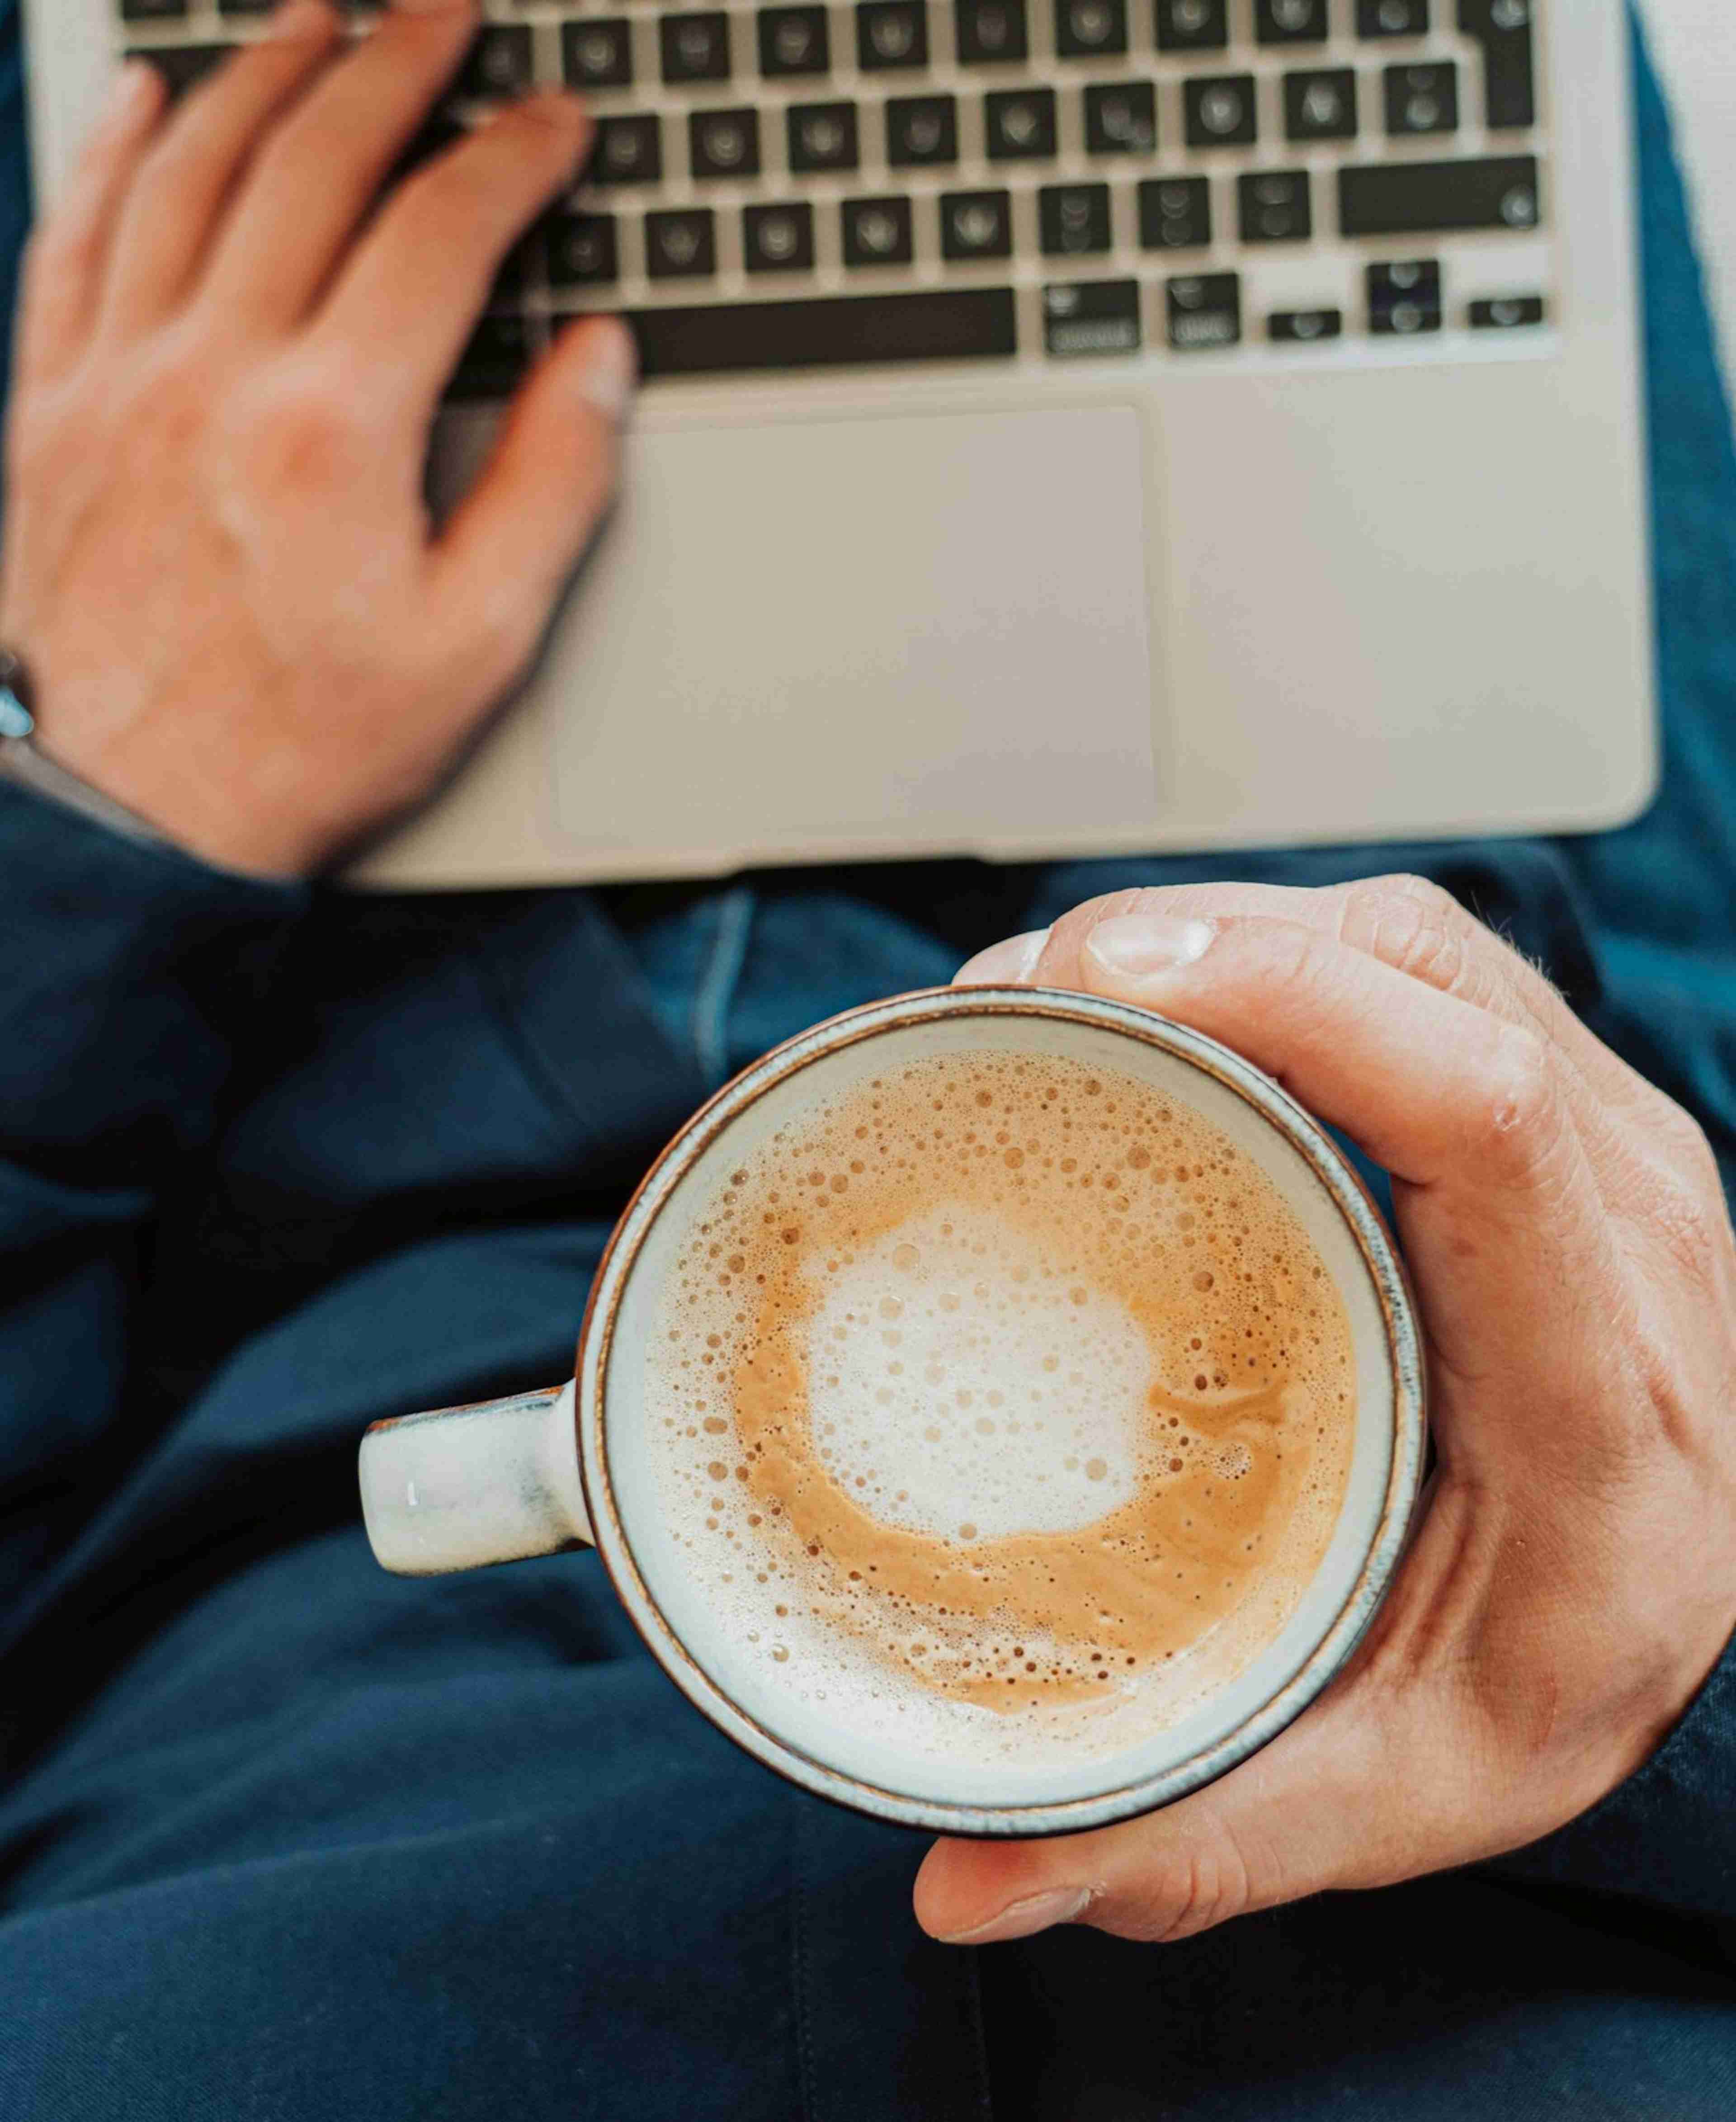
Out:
{"x": 461, "y": 1487}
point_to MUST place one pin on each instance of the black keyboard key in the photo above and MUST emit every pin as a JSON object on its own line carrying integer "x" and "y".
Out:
{"x": 821, "y": 136}
{"x": 1391, "y": 18}
{"x": 1121, "y": 117}
{"x": 582, "y": 250}
{"x": 1321, "y": 104}
{"x": 878, "y": 231}
{"x": 1091, "y": 316}
{"x": 723, "y": 143}
{"x": 680, "y": 243}
{"x": 975, "y": 225}
{"x": 152, "y": 10}
{"x": 1422, "y": 198}
{"x": 1405, "y": 297}
{"x": 1290, "y": 21}
{"x": 1304, "y": 327}
{"x": 921, "y": 131}
{"x": 1219, "y": 110}
{"x": 952, "y": 324}
{"x": 1422, "y": 99}
{"x": 183, "y": 66}
{"x": 989, "y": 32}
{"x": 1508, "y": 313}
{"x": 628, "y": 150}
{"x": 598, "y": 54}
{"x": 493, "y": 365}
{"x": 1019, "y": 125}
{"x": 695, "y": 47}
{"x": 1503, "y": 28}
{"x": 500, "y": 63}
{"x": 1276, "y": 205}
{"x": 1192, "y": 25}
{"x": 793, "y": 40}
{"x": 1175, "y": 213}
{"x": 1089, "y": 29}
{"x": 1204, "y": 311}
{"x": 1075, "y": 220}
{"x": 892, "y": 33}
{"x": 778, "y": 239}
{"x": 1405, "y": 280}
{"x": 1405, "y": 320}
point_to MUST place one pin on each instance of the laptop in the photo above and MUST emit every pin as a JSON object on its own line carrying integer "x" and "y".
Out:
{"x": 1071, "y": 426}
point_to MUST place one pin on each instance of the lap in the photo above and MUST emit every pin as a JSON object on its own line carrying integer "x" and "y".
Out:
{"x": 340, "y": 1844}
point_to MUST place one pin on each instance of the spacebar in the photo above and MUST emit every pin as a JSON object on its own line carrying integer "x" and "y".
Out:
{"x": 955, "y": 324}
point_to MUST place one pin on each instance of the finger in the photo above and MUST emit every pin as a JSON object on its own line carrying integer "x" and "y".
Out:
{"x": 166, "y": 227}
{"x": 1409, "y": 922}
{"x": 1329, "y": 1803}
{"x": 409, "y": 299}
{"x": 322, "y": 169}
{"x": 1440, "y": 1092}
{"x": 508, "y": 549}
{"x": 63, "y": 266}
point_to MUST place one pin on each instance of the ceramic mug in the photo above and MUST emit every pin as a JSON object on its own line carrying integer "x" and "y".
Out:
{"x": 571, "y": 1466}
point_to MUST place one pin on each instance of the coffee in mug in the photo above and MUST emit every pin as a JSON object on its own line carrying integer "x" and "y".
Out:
{"x": 1004, "y": 1404}
{"x": 998, "y": 1410}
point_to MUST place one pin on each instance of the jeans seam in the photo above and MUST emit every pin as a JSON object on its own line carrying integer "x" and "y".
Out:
{"x": 717, "y": 983}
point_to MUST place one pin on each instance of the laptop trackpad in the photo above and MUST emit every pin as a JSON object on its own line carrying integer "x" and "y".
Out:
{"x": 898, "y": 631}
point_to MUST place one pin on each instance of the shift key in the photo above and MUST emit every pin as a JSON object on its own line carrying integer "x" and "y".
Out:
{"x": 1434, "y": 198}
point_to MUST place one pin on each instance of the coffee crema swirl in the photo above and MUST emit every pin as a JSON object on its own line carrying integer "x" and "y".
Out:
{"x": 1005, "y": 1382}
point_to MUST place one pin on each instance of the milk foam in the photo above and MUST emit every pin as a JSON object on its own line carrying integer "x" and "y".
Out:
{"x": 973, "y": 1386}
{"x": 1006, "y": 1408}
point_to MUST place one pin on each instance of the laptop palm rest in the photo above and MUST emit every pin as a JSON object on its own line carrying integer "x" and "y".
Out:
{"x": 857, "y": 634}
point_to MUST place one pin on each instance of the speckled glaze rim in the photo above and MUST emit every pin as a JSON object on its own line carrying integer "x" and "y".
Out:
{"x": 1332, "y": 1647}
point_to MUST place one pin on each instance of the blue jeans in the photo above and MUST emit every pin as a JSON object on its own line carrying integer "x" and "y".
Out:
{"x": 283, "y": 1837}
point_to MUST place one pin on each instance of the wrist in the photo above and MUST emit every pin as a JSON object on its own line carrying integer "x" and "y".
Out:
{"x": 162, "y": 793}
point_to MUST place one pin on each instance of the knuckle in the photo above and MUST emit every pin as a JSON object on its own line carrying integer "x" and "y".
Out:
{"x": 302, "y": 429}
{"x": 1415, "y": 925}
{"x": 1522, "y": 1112}
{"x": 1212, "y": 1884}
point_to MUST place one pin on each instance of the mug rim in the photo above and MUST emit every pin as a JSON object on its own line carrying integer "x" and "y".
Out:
{"x": 1384, "y": 1549}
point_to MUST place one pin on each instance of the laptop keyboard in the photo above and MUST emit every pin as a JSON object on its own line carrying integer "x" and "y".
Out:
{"x": 1020, "y": 181}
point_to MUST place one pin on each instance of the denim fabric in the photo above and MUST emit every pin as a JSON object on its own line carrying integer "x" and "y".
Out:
{"x": 281, "y": 1837}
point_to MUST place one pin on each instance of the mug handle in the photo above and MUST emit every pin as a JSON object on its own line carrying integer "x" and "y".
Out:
{"x": 459, "y": 1487}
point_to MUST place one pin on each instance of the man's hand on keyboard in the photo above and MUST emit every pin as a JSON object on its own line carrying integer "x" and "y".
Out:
{"x": 218, "y": 565}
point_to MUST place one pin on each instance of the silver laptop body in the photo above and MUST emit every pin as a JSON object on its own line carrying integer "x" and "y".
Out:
{"x": 1255, "y": 460}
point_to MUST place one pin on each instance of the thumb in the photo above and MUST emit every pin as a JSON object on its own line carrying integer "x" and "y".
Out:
{"x": 1333, "y": 1802}
{"x": 508, "y": 549}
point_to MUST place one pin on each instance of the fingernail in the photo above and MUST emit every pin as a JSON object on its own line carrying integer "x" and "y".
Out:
{"x": 1025, "y": 1918}
{"x": 610, "y": 371}
{"x": 1142, "y": 950}
{"x": 1007, "y": 964}
{"x": 295, "y": 19}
